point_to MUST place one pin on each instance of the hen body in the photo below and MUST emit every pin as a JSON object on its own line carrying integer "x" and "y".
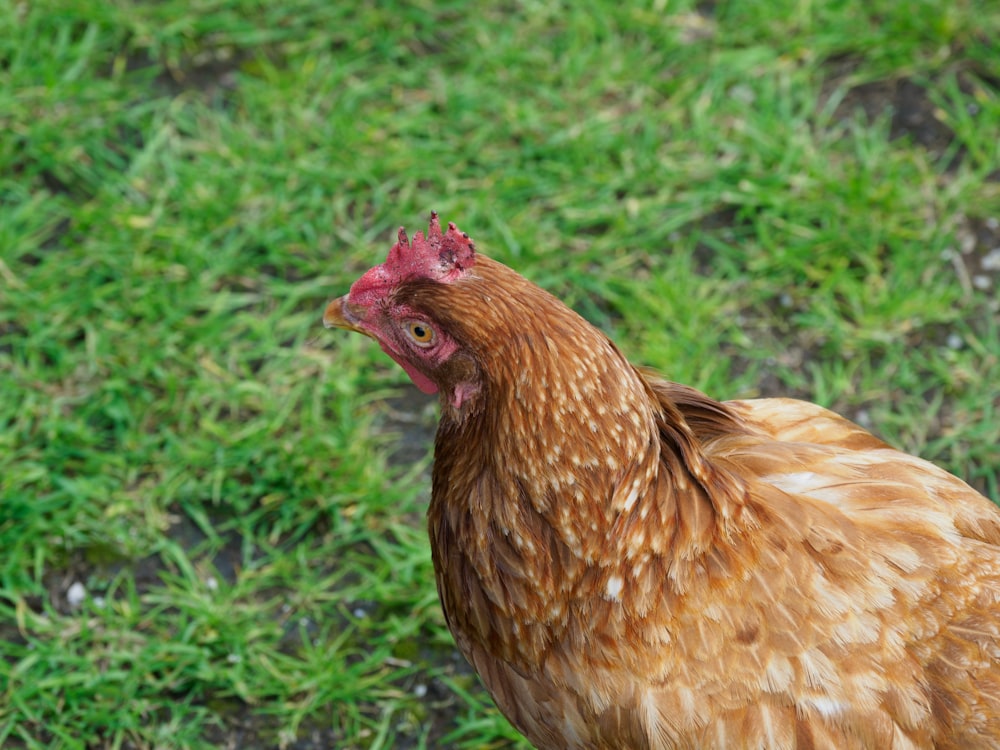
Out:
{"x": 628, "y": 563}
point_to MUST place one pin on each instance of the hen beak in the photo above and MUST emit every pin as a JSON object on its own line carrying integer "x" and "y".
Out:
{"x": 342, "y": 314}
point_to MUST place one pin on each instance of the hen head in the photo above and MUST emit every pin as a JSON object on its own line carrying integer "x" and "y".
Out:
{"x": 398, "y": 303}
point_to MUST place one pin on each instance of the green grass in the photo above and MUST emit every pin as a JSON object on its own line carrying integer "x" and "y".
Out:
{"x": 782, "y": 198}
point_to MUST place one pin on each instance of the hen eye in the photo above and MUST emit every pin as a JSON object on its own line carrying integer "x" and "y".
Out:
{"x": 420, "y": 333}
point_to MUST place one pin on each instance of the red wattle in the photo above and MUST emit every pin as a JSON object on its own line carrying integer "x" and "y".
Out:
{"x": 420, "y": 380}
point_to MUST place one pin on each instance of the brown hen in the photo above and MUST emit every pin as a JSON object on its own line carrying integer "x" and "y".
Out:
{"x": 628, "y": 563}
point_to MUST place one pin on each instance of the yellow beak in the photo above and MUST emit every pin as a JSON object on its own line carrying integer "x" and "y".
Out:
{"x": 341, "y": 314}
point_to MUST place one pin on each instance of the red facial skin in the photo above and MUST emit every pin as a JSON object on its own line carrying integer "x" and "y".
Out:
{"x": 368, "y": 307}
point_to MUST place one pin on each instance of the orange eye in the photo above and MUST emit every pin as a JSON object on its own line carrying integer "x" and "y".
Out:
{"x": 420, "y": 333}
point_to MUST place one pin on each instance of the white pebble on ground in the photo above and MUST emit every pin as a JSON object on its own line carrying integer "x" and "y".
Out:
{"x": 75, "y": 594}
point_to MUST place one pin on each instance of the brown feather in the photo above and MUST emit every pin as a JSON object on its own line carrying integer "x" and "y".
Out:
{"x": 629, "y": 563}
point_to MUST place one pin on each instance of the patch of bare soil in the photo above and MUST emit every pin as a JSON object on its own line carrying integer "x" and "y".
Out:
{"x": 913, "y": 113}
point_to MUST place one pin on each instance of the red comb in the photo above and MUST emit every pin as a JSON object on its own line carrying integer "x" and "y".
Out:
{"x": 438, "y": 256}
